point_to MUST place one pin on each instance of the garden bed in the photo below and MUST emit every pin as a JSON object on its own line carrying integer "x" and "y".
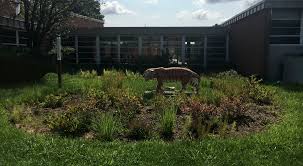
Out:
{"x": 115, "y": 107}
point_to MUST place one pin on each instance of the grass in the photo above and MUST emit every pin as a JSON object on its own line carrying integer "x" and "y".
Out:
{"x": 168, "y": 122}
{"x": 280, "y": 144}
{"x": 105, "y": 126}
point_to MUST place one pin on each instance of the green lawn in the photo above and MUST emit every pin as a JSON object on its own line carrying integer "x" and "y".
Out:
{"x": 281, "y": 144}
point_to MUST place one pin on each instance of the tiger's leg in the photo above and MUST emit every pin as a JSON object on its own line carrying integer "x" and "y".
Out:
{"x": 184, "y": 84}
{"x": 159, "y": 86}
{"x": 196, "y": 84}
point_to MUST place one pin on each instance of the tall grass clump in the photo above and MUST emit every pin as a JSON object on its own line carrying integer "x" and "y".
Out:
{"x": 230, "y": 83}
{"x": 168, "y": 122}
{"x": 105, "y": 126}
{"x": 112, "y": 80}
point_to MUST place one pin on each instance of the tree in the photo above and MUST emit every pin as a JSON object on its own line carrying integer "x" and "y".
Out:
{"x": 44, "y": 19}
{"x": 90, "y": 8}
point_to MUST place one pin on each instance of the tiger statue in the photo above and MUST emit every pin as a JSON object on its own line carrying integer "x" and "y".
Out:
{"x": 184, "y": 75}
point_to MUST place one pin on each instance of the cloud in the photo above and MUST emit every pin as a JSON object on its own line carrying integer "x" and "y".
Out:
{"x": 249, "y": 3}
{"x": 183, "y": 14}
{"x": 201, "y": 2}
{"x": 200, "y": 14}
{"x": 151, "y": 1}
{"x": 115, "y": 8}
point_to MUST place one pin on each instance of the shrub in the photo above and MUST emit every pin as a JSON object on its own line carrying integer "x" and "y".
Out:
{"x": 186, "y": 128}
{"x": 168, "y": 122}
{"x": 233, "y": 110}
{"x": 17, "y": 114}
{"x": 112, "y": 80}
{"x": 211, "y": 96}
{"x": 254, "y": 91}
{"x": 53, "y": 101}
{"x": 160, "y": 102}
{"x": 75, "y": 121}
{"x": 88, "y": 74}
{"x": 124, "y": 101}
{"x": 205, "y": 118}
{"x": 105, "y": 126}
{"x": 139, "y": 130}
{"x": 230, "y": 83}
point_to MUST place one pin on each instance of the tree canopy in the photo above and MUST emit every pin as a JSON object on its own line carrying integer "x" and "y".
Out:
{"x": 90, "y": 8}
{"x": 46, "y": 18}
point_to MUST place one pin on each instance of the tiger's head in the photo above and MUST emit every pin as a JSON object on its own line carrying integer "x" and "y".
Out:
{"x": 149, "y": 74}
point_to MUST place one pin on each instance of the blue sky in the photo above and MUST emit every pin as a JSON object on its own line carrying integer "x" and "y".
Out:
{"x": 132, "y": 13}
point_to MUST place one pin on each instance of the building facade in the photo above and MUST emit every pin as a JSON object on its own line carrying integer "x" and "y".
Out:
{"x": 263, "y": 40}
{"x": 201, "y": 48}
{"x": 264, "y": 36}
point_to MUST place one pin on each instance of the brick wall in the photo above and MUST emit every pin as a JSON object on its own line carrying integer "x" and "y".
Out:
{"x": 249, "y": 41}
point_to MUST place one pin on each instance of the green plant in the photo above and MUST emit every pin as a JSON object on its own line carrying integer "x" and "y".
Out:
{"x": 168, "y": 122}
{"x": 230, "y": 83}
{"x": 234, "y": 110}
{"x": 105, "y": 126}
{"x": 75, "y": 121}
{"x": 88, "y": 74}
{"x": 53, "y": 101}
{"x": 254, "y": 91}
{"x": 139, "y": 130}
{"x": 186, "y": 128}
{"x": 17, "y": 114}
{"x": 123, "y": 100}
{"x": 112, "y": 80}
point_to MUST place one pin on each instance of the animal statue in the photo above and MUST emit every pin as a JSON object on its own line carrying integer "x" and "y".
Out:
{"x": 184, "y": 75}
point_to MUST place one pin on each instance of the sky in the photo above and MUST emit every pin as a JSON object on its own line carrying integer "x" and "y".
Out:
{"x": 172, "y": 13}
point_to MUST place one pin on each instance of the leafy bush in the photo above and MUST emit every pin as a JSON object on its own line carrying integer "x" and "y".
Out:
{"x": 17, "y": 114}
{"x": 254, "y": 91}
{"x": 139, "y": 130}
{"x": 186, "y": 128}
{"x": 75, "y": 121}
{"x": 233, "y": 110}
{"x": 53, "y": 101}
{"x": 168, "y": 122}
{"x": 125, "y": 101}
{"x": 105, "y": 126}
{"x": 205, "y": 118}
{"x": 160, "y": 102}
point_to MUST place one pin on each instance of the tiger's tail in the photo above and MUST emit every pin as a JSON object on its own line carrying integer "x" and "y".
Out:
{"x": 195, "y": 82}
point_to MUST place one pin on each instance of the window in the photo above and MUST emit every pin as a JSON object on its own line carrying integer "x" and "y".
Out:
{"x": 285, "y": 32}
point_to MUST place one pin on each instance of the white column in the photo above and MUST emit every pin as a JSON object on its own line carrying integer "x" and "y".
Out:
{"x": 161, "y": 45}
{"x": 98, "y": 57}
{"x": 205, "y": 53}
{"x": 118, "y": 49}
{"x": 301, "y": 34}
{"x": 77, "y": 49}
{"x": 227, "y": 48}
{"x": 17, "y": 38}
{"x": 183, "y": 50}
{"x": 140, "y": 45}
